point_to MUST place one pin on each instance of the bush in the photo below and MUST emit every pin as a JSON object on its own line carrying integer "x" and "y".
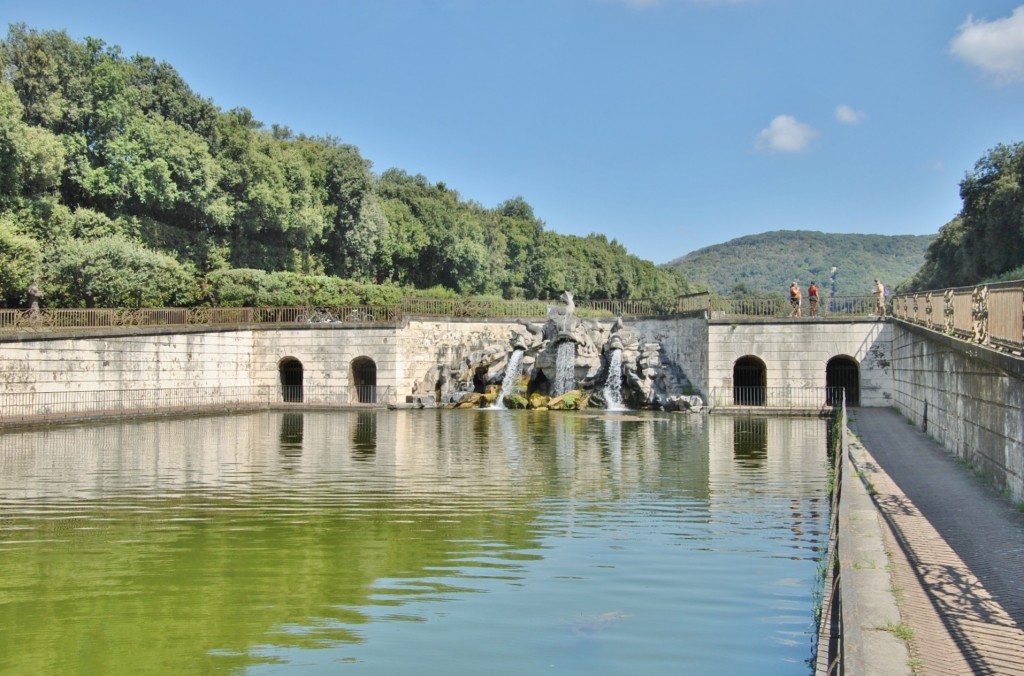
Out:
{"x": 113, "y": 272}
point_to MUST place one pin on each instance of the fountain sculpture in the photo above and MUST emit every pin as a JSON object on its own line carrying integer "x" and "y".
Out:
{"x": 568, "y": 362}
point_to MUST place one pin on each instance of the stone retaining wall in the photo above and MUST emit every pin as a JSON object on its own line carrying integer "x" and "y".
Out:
{"x": 967, "y": 397}
{"x": 795, "y": 353}
{"x": 150, "y": 359}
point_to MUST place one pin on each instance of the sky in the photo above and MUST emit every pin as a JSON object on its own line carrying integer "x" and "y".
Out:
{"x": 666, "y": 125}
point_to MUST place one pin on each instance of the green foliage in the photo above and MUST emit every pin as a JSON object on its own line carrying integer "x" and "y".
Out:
{"x": 95, "y": 146}
{"x": 113, "y": 272}
{"x": 769, "y": 262}
{"x": 985, "y": 242}
{"x": 107, "y": 160}
{"x": 1008, "y": 276}
{"x": 20, "y": 262}
{"x": 241, "y": 287}
{"x": 31, "y": 158}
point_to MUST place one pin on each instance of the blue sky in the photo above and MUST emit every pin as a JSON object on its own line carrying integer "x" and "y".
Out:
{"x": 668, "y": 125}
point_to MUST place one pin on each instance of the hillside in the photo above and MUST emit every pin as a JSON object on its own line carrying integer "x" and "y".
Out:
{"x": 769, "y": 261}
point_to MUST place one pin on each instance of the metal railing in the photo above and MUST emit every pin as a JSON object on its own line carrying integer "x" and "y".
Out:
{"x": 694, "y": 303}
{"x": 98, "y": 318}
{"x": 991, "y": 314}
{"x": 24, "y": 407}
{"x": 804, "y": 398}
{"x": 56, "y": 319}
{"x": 774, "y": 307}
{"x": 830, "y": 622}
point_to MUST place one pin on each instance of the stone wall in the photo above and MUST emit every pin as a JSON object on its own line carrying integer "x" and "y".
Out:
{"x": 968, "y": 398}
{"x": 684, "y": 342}
{"x": 795, "y": 354}
{"x": 192, "y": 359}
{"x": 425, "y": 343}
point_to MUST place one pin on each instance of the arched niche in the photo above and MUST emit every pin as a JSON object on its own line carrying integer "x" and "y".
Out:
{"x": 843, "y": 371}
{"x": 749, "y": 382}
{"x": 290, "y": 371}
{"x": 363, "y": 376}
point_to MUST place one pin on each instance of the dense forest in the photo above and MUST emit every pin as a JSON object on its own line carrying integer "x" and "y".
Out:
{"x": 770, "y": 261}
{"x": 120, "y": 186}
{"x": 985, "y": 242}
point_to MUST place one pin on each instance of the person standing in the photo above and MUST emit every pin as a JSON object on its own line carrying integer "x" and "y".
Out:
{"x": 879, "y": 294}
{"x": 812, "y": 298}
{"x": 794, "y": 299}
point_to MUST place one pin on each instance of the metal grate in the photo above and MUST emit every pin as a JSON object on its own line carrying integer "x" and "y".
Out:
{"x": 843, "y": 372}
{"x": 749, "y": 381}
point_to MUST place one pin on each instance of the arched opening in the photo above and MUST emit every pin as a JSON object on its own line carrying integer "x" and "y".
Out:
{"x": 291, "y": 379}
{"x": 364, "y": 380}
{"x": 540, "y": 384}
{"x": 480, "y": 380}
{"x": 749, "y": 382}
{"x": 842, "y": 372}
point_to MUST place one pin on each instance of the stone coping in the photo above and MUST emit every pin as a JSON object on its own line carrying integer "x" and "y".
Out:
{"x": 1004, "y": 361}
{"x": 870, "y": 613}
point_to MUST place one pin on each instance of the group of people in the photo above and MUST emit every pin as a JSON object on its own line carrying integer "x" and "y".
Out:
{"x": 796, "y": 299}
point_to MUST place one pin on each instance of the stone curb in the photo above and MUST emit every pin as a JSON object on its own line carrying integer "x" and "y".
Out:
{"x": 869, "y": 608}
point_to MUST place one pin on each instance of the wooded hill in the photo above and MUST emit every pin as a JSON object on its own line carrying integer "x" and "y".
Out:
{"x": 120, "y": 186}
{"x": 770, "y": 261}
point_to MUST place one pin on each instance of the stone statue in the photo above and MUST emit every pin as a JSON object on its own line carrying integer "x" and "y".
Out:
{"x": 34, "y": 294}
{"x": 563, "y": 318}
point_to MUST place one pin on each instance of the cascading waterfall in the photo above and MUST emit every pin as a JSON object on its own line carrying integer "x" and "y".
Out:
{"x": 613, "y": 384}
{"x": 511, "y": 379}
{"x": 565, "y": 368}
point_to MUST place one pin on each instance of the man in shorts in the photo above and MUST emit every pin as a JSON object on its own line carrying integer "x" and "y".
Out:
{"x": 879, "y": 293}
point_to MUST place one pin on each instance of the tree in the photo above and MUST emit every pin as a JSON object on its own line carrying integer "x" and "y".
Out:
{"x": 358, "y": 225}
{"x": 987, "y": 238}
{"x": 20, "y": 263}
{"x": 113, "y": 272}
{"x": 31, "y": 158}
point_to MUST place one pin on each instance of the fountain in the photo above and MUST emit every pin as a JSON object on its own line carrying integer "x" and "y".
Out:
{"x": 613, "y": 383}
{"x": 597, "y": 363}
{"x": 565, "y": 368}
{"x": 509, "y": 384}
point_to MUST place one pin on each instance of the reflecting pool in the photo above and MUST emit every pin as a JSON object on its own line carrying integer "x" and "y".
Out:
{"x": 413, "y": 542}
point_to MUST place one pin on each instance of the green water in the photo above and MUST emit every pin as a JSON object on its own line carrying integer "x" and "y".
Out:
{"x": 412, "y": 542}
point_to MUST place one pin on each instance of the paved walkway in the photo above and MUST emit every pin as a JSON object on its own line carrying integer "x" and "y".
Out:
{"x": 957, "y": 550}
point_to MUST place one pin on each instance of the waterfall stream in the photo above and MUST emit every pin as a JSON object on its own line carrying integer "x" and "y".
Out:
{"x": 613, "y": 383}
{"x": 510, "y": 382}
{"x": 565, "y": 368}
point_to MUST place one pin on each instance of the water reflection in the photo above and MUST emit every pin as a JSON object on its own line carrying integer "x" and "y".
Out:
{"x": 433, "y": 542}
{"x": 750, "y": 440}
{"x": 364, "y": 436}
{"x": 291, "y": 438}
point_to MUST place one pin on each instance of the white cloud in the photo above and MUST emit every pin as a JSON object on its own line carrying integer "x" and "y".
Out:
{"x": 848, "y": 115}
{"x": 995, "y": 47}
{"x": 785, "y": 134}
